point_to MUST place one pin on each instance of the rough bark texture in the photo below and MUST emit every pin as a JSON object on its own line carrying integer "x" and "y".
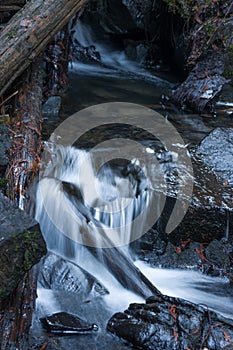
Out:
{"x": 16, "y": 318}
{"x": 56, "y": 67}
{"x": 28, "y": 32}
{"x": 26, "y": 134}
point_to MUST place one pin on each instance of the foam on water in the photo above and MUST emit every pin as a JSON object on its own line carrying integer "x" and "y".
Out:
{"x": 57, "y": 223}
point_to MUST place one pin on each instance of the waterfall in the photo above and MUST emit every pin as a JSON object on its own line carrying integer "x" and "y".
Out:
{"x": 82, "y": 212}
{"x": 73, "y": 201}
{"x": 112, "y": 60}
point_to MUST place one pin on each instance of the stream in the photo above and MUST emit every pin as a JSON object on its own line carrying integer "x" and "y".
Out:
{"x": 61, "y": 187}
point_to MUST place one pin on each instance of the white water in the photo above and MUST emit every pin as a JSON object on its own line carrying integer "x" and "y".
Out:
{"x": 113, "y": 61}
{"x": 53, "y": 213}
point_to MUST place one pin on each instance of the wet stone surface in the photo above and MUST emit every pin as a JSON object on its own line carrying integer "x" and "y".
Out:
{"x": 4, "y": 148}
{"x": 216, "y": 150}
{"x": 21, "y": 245}
{"x": 169, "y": 323}
{"x": 61, "y": 275}
{"x": 65, "y": 323}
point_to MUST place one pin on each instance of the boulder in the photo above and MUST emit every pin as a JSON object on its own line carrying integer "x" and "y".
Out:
{"x": 216, "y": 150}
{"x": 172, "y": 324}
{"x": 21, "y": 245}
{"x": 61, "y": 275}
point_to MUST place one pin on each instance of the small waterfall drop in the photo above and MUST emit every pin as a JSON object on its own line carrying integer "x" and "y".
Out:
{"x": 112, "y": 60}
{"x": 81, "y": 214}
{"x": 71, "y": 209}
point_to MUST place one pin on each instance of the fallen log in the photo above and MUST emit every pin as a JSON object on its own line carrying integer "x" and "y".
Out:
{"x": 28, "y": 32}
{"x": 16, "y": 317}
{"x": 26, "y": 134}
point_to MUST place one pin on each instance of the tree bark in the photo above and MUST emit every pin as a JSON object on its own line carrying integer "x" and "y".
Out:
{"x": 26, "y": 131}
{"x": 16, "y": 317}
{"x": 28, "y": 32}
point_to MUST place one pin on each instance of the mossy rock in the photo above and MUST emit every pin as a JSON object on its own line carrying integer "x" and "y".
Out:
{"x": 21, "y": 245}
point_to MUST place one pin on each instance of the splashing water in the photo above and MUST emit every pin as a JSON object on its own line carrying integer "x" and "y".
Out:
{"x": 71, "y": 205}
{"x": 113, "y": 61}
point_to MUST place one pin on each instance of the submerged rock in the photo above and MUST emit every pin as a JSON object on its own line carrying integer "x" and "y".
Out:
{"x": 62, "y": 275}
{"x": 21, "y": 245}
{"x": 65, "y": 323}
{"x": 171, "y": 323}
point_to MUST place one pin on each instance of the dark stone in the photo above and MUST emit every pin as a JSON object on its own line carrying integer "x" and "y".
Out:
{"x": 21, "y": 245}
{"x": 5, "y": 143}
{"x": 208, "y": 218}
{"x": 217, "y": 254}
{"x": 65, "y": 323}
{"x": 171, "y": 323}
{"x": 216, "y": 150}
{"x": 61, "y": 275}
{"x": 199, "y": 90}
{"x": 51, "y": 107}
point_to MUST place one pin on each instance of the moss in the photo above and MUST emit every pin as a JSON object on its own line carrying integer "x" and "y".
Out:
{"x": 228, "y": 71}
{"x": 185, "y": 8}
{"x": 210, "y": 29}
{"x": 28, "y": 246}
{"x": 31, "y": 248}
{"x": 3, "y": 184}
{"x": 12, "y": 34}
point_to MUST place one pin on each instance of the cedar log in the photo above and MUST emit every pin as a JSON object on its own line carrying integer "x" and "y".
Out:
{"x": 26, "y": 134}
{"x": 28, "y": 32}
{"x": 16, "y": 314}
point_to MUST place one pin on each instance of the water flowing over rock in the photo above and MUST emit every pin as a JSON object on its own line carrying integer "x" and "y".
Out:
{"x": 58, "y": 274}
{"x": 169, "y": 323}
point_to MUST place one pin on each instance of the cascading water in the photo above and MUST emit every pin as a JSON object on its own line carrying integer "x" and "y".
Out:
{"x": 68, "y": 196}
{"x": 74, "y": 217}
{"x": 111, "y": 60}
{"x": 82, "y": 215}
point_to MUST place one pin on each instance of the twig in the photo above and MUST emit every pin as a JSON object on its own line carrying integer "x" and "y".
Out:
{"x": 8, "y": 98}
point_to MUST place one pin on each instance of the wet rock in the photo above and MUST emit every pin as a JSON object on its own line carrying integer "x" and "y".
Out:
{"x": 51, "y": 107}
{"x": 199, "y": 90}
{"x": 217, "y": 253}
{"x": 126, "y": 25}
{"x": 137, "y": 51}
{"x": 171, "y": 323}
{"x": 21, "y": 245}
{"x": 64, "y": 323}
{"x": 216, "y": 150}
{"x": 208, "y": 217}
{"x": 4, "y": 147}
{"x": 62, "y": 275}
{"x": 85, "y": 54}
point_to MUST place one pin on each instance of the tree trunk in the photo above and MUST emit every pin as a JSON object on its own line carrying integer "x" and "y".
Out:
{"x": 26, "y": 131}
{"x": 28, "y": 32}
{"x": 16, "y": 317}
